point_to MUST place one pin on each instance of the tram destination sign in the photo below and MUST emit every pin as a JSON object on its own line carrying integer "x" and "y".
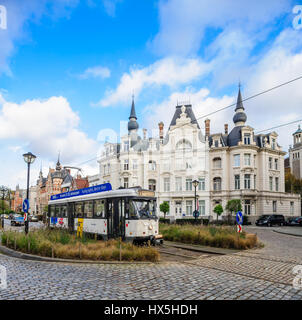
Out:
{"x": 82, "y": 192}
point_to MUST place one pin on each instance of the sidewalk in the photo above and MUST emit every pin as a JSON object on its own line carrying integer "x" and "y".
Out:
{"x": 291, "y": 231}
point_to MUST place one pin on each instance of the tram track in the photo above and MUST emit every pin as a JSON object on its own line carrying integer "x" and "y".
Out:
{"x": 173, "y": 254}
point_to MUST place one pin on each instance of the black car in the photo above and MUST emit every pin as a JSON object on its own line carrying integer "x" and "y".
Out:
{"x": 294, "y": 221}
{"x": 271, "y": 220}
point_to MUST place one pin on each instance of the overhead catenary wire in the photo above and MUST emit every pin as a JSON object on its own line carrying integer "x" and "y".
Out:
{"x": 234, "y": 104}
{"x": 248, "y": 98}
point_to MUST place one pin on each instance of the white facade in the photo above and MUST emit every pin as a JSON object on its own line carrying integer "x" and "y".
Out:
{"x": 33, "y": 200}
{"x": 235, "y": 165}
{"x": 249, "y": 167}
{"x": 166, "y": 165}
{"x": 94, "y": 180}
{"x": 295, "y": 154}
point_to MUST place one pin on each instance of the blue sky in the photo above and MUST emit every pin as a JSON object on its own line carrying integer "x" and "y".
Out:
{"x": 68, "y": 69}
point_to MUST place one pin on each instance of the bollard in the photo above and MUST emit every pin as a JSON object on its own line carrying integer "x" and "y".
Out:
{"x": 149, "y": 245}
{"x": 120, "y": 249}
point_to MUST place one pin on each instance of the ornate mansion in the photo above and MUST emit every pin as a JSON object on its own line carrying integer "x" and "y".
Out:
{"x": 235, "y": 165}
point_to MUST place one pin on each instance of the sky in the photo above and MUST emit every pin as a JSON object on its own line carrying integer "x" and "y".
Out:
{"x": 69, "y": 68}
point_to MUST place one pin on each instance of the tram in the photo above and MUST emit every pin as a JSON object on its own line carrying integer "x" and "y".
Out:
{"x": 126, "y": 213}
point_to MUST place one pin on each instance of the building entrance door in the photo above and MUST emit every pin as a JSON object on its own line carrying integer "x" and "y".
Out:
{"x": 178, "y": 209}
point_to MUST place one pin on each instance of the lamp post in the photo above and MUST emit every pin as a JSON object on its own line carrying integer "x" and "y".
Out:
{"x": 195, "y": 184}
{"x": 29, "y": 158}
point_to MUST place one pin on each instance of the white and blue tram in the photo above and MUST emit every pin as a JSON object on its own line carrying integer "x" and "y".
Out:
{"x": 127, "y": 213}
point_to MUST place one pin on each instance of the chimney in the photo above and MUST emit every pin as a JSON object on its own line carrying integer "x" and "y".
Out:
{"x": 226, "y": 129}
{"x": 161, "y": 130}
{"x": 145, "y": 133}
{"x": 207, "y": 125}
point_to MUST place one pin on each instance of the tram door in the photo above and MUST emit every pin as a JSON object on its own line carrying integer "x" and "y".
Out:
{"x": 116, "y": 220}
{"x": 70, "y": 215}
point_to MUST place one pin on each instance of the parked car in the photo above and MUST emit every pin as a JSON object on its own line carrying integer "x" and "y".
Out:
{"x": 17, "y": 221}
{"x": 5, "y": 216}
{"x": 33, "y": 219}
{"x": 297, "y": 221}
{"x": 271, "y": 220}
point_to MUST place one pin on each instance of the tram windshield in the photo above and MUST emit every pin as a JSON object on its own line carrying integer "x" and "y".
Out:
{"x": 146, "y": 209}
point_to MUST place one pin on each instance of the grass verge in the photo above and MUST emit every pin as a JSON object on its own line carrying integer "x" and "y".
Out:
{"x": 61, "y": 244}
{"x": 219, "y": 237}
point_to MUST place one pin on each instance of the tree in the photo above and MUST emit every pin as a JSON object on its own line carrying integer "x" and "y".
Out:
{"x": 4, "y": 207}
{"x": 233, "y": 205}
{"x": 164, "y": 207}
{"x": 218, "y": 210}
{"x": 5, "y": 194}
{"x": 292, "y": 184}
{"x": 46, "y": 208}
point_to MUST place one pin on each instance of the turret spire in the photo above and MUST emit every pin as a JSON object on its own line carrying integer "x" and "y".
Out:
{"x": 58, "y": 166}
{"x": 133, "y": 113}
{"x": 240, "y": 116}
{"x": 132, "y": 124}
{"x": 239, "y": 99}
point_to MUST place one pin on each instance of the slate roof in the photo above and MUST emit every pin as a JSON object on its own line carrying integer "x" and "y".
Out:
{"x": 239, "y": 101}
{"x": 299, "y": 130}
{"x": 188, "y": 111}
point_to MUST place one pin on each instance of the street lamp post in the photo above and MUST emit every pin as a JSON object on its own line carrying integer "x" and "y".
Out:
{"x": 195, "y": 184}
{"x": 29, "y": 158}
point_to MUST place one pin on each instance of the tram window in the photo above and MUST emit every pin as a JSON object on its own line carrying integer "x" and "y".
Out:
{"x": 64, "y": 211}
{"x": 88, "y": 209}
{"x": 57, "y": 211}
{"x": 122, "y": 207}
{"x": 132, "y": 211}
{"x": 78, "y": 210}
{"x": 52, "y": 211}
{"x": 99, "y": 209}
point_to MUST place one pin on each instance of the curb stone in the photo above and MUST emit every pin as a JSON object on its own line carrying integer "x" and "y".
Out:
{"x": 26, "y": 256}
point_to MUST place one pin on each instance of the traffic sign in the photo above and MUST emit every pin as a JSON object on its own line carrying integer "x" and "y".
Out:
{"x": 25, "y": 216}
{"x": 196, "y": 214}
{"x": 239, "y": 217}
{"x": 239, "y": 228}
{"x": 25, "y": 205}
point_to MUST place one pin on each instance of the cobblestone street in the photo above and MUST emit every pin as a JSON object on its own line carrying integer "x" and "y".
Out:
{"x": 256, "y": 274}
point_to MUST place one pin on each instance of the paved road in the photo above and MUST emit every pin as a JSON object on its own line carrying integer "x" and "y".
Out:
{"x": 32, "y": 225}
{"x": 256, "y": 274}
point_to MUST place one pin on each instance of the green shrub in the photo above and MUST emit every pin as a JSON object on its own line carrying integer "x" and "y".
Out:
{"x": 67, "y": 246}
{"x": 214, "y": 236}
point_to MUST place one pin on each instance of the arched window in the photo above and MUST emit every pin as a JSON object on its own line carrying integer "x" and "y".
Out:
{"x": 217, "y": 163}
{"x": 152, "y": 165}
{"x": 184, "y": 144}
{"x": 217, "y": 184}
{"x": 152, "y": 185}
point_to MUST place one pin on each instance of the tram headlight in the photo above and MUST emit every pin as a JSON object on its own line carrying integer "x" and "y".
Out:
{"x": 150, "y": 227}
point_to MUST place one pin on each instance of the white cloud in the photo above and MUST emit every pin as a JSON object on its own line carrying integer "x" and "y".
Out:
{"x": 110, "y": 6}
{"x": 281, "y": 63}
{"x": 95, "y": 72}
{"x": 18, "y": 14}
{"x": 202, "y": 104}
{"x": 45, "y": 127}
{"x": 169, "y": 71}
{"x": 183, "y": 23}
